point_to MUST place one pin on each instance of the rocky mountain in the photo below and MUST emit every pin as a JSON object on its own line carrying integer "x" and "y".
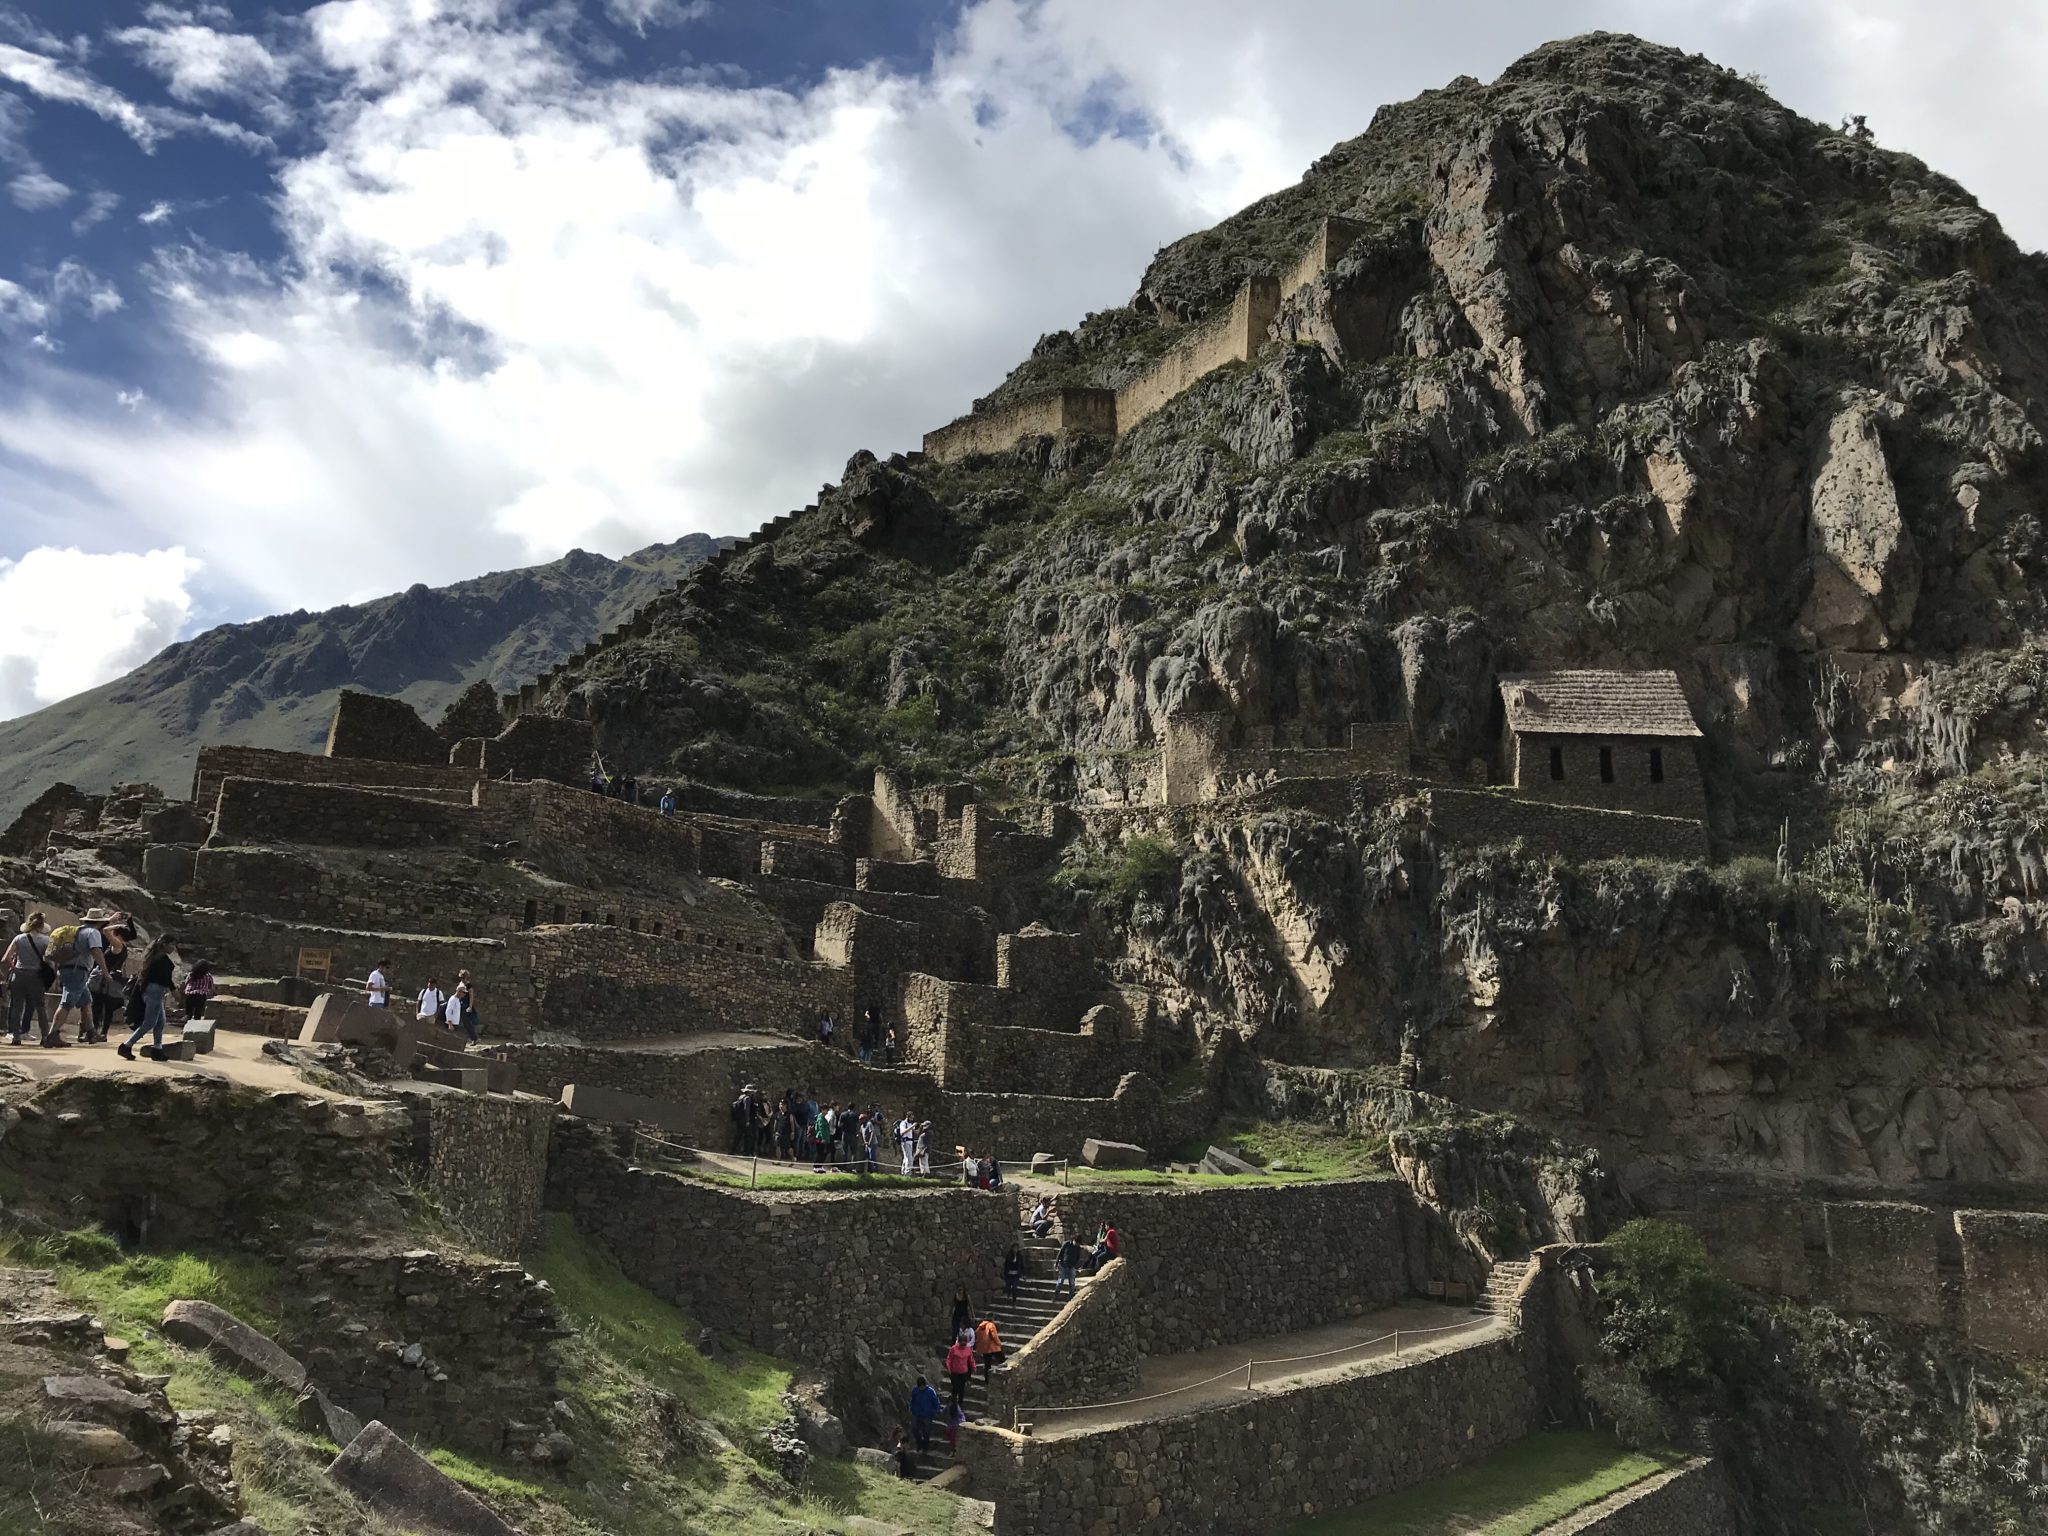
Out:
{"x": 271, "y": 683}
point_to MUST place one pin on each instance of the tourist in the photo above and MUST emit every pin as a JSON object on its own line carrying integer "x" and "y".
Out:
{"x": 76, "y": 950}
{"x": 1069, "y": 1260}
{"x": 906, "y": 1456}
{"x": 198, "y": 991}
{"x": 826, "y": 1026}
{"x": 870, "y": 1035}
{"x": 924, "y": 1407}
{"x": 960, "y": 1367}
{"x": 889, "y": 1047}
{"x": 1041, "y": 1218}
{"x": 988, "y": 1346}
{"x": 955, "y": 1417}
{"x": 1107, "y": 1245}
{"x": 376, "y": 990}
{"x": 924, "y": 1147}
{"x": 110, "y": 987}
{"x": 462, "y": 1013}
{"x": 739, "y": 1113}
{"x": 1013, "y": 1270}
{"x": 906, "y": 1139}
{"x": 668, "y": 802}
{"x": 432, "y": 1001}
{"x": 963, "y": 1314}
{"x": 29, "y": 976}
{"x": 995, "y": 1173}
{"x": 157, "y": 967}
{"x": 821, "y": 1137}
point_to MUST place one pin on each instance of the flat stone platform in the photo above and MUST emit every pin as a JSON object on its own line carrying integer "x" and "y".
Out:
{"x": 1424, "y": 1328}
{"x": 236, "y": 1058}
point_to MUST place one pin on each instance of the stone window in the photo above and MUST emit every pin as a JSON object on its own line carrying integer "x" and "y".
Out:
{"x": 1557, "y": 762}
{"x": 1656, "y": 765}
{"x": 532, "y": 914}
{"x": 1607, "y": 765}
{"x": 561, "y": 913}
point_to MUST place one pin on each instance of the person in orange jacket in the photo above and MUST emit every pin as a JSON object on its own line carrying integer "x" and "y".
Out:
{"x": 988, "y": 1346}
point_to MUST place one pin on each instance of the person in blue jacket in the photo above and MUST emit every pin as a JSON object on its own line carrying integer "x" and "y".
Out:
{"x": 924, "y": 1407}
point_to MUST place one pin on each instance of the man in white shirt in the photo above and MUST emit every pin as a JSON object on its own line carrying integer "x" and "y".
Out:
{"x": 377, "y": 991}
{"x": 432, "y": 1000}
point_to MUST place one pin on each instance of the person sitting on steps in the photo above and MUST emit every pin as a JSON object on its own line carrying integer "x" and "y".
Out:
{"x": 1041, "y": 1217}
{"x": 1106, "y": 1246}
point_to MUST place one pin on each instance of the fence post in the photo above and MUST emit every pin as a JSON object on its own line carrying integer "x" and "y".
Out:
{"x": 754, "y": 1174}
{"x": 1397, "y": 1341}
{"x": 1248, "y": 1375}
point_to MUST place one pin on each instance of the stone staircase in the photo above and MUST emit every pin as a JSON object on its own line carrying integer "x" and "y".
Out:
{"x": 1019, "y": 1322}
{"x": 1501, "y": 1285}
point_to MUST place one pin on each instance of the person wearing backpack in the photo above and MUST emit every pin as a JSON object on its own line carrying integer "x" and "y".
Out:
{"x": 157, "y": 968}
{"x": 76, "y": 950}
{"x": 28, "y": 977}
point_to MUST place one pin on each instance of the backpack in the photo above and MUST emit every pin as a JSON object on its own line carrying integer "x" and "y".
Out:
{"x": 63, "y": 948}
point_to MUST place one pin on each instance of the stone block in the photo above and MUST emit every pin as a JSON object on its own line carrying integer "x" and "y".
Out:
{"x": 402, "y": 1486}
{"x": 1218, "y": 1160}
{"x": 199, "y": 1035}
{"x": 2005, "y": 1269}
{"x": 178, "y": 1048}
{"x": 321, "y": 1415}
{"x": 880, "y": 1461}
{"x": 202, "y": 1325}
{"x": 1112, "y": 1154}
{"x": 616, "y": 1108}
{"x": 341, "y": 1019}
{"x": 1044, "y": 1164}
{"x": 502, "y": 1076}
{"x": 468, "y": 1079}
{"x": 167, "y": 869}
{"x": 70, "y": 1395}
{"x": 1883, "y": 1257}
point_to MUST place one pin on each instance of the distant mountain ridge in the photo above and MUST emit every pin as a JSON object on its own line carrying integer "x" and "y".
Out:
{"x": 271, "y": 682}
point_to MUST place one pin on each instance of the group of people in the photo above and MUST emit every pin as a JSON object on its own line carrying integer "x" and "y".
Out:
{"x": 454, "y": 1008}
{"x": 979, "y": 1342}
{"x": 802, "y": 1128}
{"x": 93, "y": 967}
{"x": 873, "y": 1041}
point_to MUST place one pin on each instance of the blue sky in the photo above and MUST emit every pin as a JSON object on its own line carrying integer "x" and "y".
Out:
{"x": 301, "y": 304}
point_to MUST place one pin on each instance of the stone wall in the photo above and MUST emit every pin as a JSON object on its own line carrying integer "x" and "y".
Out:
{"x": 595, "y": 842}
{"x": 338, "y": 816}
{"x": 959, "y": 939}
{"x": 612, "y": 984}
{"x": 1015, "y": 1125}
{"x": 451, "y": 1349}
{"x": 1051, "y": 977}
{"x": 541, "y": 747}
{"x": 383, "y": 729}
{"x": 1066, "y": 410}
{"x": 1584, "y": 759}
{"x": 797, "y": 859}
{"x": 485, "y": 1162}
{"x": 961, "y": 1034}
{"x": 1228, "y": 337}
{"x": 1089, "y": 1353}
{"x": 1884, "y": 1258}
{"x": 55, "y": 809}
{"x": 217, "y": 763}
{"x": 1218, "y": 1265}
{"x": 1691, "y": 1500}
{"x": 1259, "y": 1464}
{"x": 1325, "y": 249}
{"x": 798, "y": 1275}
{"x": 2005, "y": 1269}
{"x": 700, "y": 1086}
{"x": 285, "y": 883}
{"x": 186, "y": 1159}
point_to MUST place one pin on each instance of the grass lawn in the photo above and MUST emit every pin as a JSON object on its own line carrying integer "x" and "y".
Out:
{"x": 1290, "y": 1153}
{"x": 1532, "y": 1484}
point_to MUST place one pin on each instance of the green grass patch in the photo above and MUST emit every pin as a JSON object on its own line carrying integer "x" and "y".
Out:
{"x": 1532, "y": 1484}
{"x": 1287, "y": 1151}
{"x": 810, "y": 1183}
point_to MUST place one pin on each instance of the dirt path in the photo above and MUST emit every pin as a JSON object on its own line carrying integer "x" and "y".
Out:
{"x": 235, "y": 1057}
{"x": 1201, "y": 1378}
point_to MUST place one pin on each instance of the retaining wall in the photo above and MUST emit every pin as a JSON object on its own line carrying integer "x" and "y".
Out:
{"x": 1228, "y": 337}
{"x": 218, "y": 763}
{"x": 370, "y": 725}
{"x": 1218, "y": 1265}
{"x": 1691, "y": 1500}
{"x": 339, "y": 816}
{"x": 1258, "y": 1465}
{"x": 798, "y": 1275}
{"x": 1066, "y": 410}
{"x": 485, "y": 1162}
{"x": 1089, "y": 1353}
{"x": 2005, "y": 1269}
{"x": 602, "y": 983}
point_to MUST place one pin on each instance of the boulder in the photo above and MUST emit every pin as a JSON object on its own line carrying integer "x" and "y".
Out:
{"x": 202, "y": 1325}
{"x": 1111, "y": 1154}
{"x": 1044, "y": 1164}
{"x": 1866, "y": 567}
{"x": 94, "y": 1444}
{"x": 468, "y": 1079}
{"x": 861, "y": 1525}
{"x": 180, "y": 1049}
{"x": 199, "y": 1035}
{"x": 1220, "y": 1160}
{"x": 321, "y": 1415}
{"x": 402, "y": 1486}
{"x": 79, "y": 1396}
{"x": 880, "y": 1461}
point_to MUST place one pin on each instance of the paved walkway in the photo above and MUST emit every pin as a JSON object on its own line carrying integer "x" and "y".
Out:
{"x": 236, "y": 1056}
{"x": 1191, "y": 1377}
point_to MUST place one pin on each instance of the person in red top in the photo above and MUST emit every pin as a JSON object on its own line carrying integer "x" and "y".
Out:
{"x": 960, "y": 1366}
{"x": 1107, "y": 1246}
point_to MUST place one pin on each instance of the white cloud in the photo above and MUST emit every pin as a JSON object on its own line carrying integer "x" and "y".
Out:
{"x": 199, "y": 62}
{"x": 99, "y": 207}
{"x": 35, "y": 191}
{"x": 642, "y": 14}
{"x": 52, "y": 81}
{"x": 525, "y": 307}
{"x": 77, "y": 619}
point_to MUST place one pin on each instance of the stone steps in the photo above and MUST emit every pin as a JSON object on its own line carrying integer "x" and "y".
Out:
{"x": 1502, "y": 1285}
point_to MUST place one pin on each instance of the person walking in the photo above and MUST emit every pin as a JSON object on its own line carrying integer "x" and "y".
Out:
{"x": 1069, "y": 1260}
{"x": 77, "y": 950}
{"x": 924, "y": 1408}
{"x": 157, "y": 968}
{"x": 198, "y": 991}
{"x": 906, "y": 1141}
{"x": 963, "y": 1313}
{"x": 376, "y": 988}
{"x": 109, "y": 988}
{"x": 431, "y": 1001}
{"x": 29, "y": 976}
{"x": 462, "y": 1014}
{"x": 988, "y": 1346}
{"x": 960, "y": 1367}
{"x": 1013, "y": 1270}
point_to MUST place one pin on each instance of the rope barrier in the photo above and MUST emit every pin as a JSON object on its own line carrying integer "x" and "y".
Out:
{"x": 747, "y": 1161}
{"x": 1026, "y": 1415}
